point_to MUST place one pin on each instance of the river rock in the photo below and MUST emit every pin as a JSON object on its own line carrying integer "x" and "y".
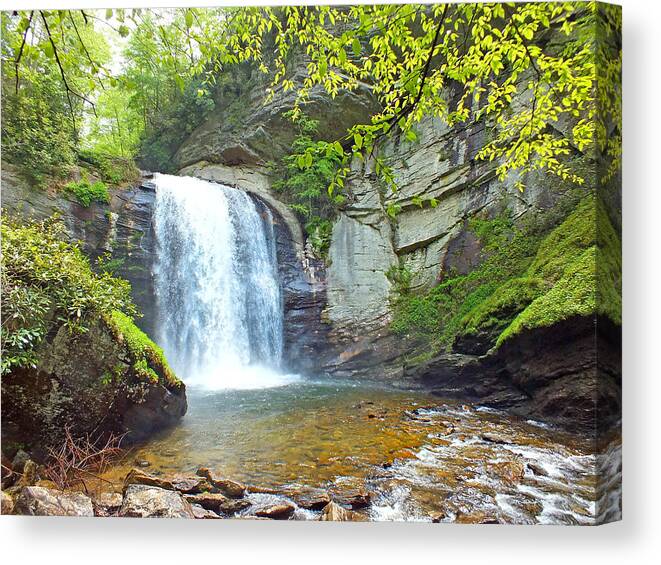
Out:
{"x": 281, "y": 511}
{"x": 202, "y": 513}
{"x": 39, "y": 501}
{"x": 208, "y": 500}
{"x": 512, "y": 471}
{"x": 218, "y": 503}
{"x": 107, "y": 503}
{"x": 143, "y": 501}
{"x": 7, "y": 506}
{"x": 476, "y": 518}
{"x": 312, "y": 499}
{"x": 191, "y": 485}
{"x": 494, "y": 437}
{"x": 225, "y": 486}
{"x": 333, "y": 512}
{"x": 234, "y": 505}
{"x": 138, "y": 477}
{"x": 439, "y": 516}
{"x": 537, "y": 469}
{"x": 354, "y": 498}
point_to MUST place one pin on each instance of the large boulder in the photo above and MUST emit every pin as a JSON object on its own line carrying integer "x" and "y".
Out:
{"x": 39, "y": 501}
{"x": 142, "y": 501}
{"x": 86, "y": 383}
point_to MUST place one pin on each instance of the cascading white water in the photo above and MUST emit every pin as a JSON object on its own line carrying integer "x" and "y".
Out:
{"x": 216, "y": 280}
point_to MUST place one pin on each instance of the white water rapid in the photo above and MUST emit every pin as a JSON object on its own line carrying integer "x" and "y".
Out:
{"x": 218, "y": 297}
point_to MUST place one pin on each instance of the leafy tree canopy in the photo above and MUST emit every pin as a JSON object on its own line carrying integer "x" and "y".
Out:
{"x": 497, "y": 62}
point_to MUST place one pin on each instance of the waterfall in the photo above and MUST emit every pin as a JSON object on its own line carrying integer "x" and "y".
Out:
{"x": 218, "y": 299}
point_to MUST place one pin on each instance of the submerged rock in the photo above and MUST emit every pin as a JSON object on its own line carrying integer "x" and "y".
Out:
{"x": 142, "y": 501}
{"x": 39, "y": 501}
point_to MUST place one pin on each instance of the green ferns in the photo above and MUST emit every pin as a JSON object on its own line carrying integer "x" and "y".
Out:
{"x": 149, "y": 362}
{"x": 530, "y": 277}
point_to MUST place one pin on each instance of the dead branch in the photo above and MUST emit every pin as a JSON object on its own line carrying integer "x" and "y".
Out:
{"x": 78, "y": 458}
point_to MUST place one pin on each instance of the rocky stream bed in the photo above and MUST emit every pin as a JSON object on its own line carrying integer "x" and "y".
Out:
{"x": 320, "y": 451}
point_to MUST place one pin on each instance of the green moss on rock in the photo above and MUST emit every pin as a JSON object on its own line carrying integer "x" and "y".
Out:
{"x": 581, "y": 263}
{"x": 149, "y": 361}
{"x": 533, "y": 276}
{"x": 573, "y": 295}
{"x": 507, "y": 301}
{"x": 566, "y": 243}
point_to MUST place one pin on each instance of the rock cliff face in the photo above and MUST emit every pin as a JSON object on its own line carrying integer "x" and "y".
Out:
{"x": 122, "y": 228}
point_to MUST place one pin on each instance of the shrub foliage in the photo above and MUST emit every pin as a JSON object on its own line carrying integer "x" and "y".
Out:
{"x": 47, "y": 283}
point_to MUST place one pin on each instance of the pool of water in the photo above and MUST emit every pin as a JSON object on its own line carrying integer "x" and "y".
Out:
{"x": 421, "y": 457}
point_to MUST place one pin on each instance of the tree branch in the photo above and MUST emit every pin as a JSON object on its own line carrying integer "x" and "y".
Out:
{"x": 69, "y": 90}
{"x": 20, "y": 51}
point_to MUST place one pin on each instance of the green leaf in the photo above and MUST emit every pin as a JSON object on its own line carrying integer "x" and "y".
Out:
{"x": 356, "y": 47}
{"x": 48, "y": 50}
{"x": 189, "y": 18}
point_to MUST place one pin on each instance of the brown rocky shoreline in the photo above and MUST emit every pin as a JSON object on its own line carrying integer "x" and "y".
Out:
{"x": 144, "y": 495}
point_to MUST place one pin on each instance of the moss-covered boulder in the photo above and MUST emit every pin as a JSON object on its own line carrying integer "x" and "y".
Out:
{"x": 73, "y": 359}
{"x": 91, "y": 383}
